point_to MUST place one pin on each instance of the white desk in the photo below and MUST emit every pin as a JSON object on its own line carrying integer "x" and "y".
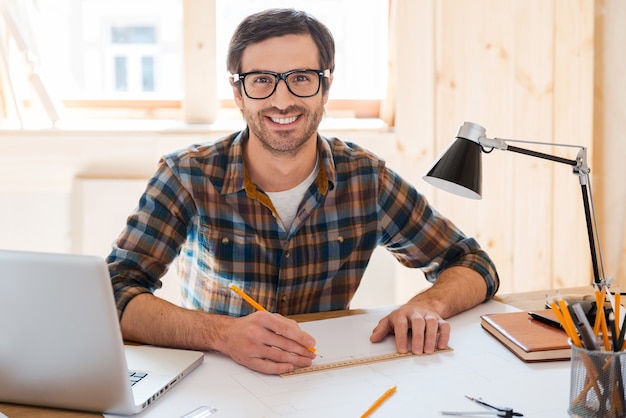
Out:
{"x": 478, "y": 366}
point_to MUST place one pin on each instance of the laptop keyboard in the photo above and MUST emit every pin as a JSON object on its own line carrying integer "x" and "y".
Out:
{"x": 136, "y": 376}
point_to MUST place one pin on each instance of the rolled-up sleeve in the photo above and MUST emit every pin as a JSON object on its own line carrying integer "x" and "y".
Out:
{"x": 151, "y": 239}
{"x": 420, "y": 237}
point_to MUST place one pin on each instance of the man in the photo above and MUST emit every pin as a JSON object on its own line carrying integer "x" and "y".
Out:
{"x": 287, "y": 215}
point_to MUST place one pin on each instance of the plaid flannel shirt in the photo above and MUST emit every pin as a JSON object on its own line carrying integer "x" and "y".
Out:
{"x": 201, "y": 208}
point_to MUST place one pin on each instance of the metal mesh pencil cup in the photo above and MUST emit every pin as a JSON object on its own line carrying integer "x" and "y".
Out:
{"x": 597, "y": 383}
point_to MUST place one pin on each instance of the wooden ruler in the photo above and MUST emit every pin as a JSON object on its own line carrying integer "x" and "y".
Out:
{"x": 352, "y": 362}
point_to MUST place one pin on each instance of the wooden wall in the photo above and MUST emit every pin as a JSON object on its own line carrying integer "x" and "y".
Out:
{"x": 523, "y": 69}
{"x": 609, "y": 121}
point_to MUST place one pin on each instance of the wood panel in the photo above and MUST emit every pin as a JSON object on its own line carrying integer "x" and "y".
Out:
{"x": 521, "y": 69}
{"x": 608, "y": 169}
{"x": 412, "y": 52}
{"x": 532, "y": 79}
{"x": 621, "y": 261}
{"x": 474, "y": 64}
{"x": 573, "y": 124}
{"x": 200, "y": 78}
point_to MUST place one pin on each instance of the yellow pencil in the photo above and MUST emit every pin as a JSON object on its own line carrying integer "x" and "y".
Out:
{"x": 247, "y": 298}
{"x": 599, "y": 308}
{"x": 557, "y": 312}
{"x": 379, "y": 401}
{"x": 559, "y": 315}
{"x": 605, "y": 330}
{"x": 618, "y": 301}
{"x": 569, "y": 322}
{"x": 256, "y": 305}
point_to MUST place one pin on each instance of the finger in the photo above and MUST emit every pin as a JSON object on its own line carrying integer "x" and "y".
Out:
{"x": 266, "y": 358}
{"x": 444, "y": 334}
{"x": 282, "y": 343}
{"x": 279, "y": 355}
{"x": 381, "y": 330}
{"x": 294, "y": 338}
{"x": 435, "y": 334}
{"x": 401, "y": 331}
{"x": 418, "y": 327}
{"x": 268, "y": 366}
{"x": 431, "y": 329}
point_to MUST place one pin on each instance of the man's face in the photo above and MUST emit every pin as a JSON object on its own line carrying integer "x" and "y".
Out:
{"x": 283, "y": 122}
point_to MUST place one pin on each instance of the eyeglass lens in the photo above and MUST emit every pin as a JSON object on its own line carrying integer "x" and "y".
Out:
{"x": 300, "y": 83}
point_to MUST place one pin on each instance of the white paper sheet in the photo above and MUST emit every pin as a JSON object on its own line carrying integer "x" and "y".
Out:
{"x": 478, "y": 365}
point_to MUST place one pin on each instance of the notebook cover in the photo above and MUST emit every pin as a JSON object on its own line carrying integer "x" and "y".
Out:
{"x": 528, "y": 338}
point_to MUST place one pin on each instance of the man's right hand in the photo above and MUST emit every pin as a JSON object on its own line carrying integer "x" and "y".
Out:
{"x": 267, "y": 342}
{"x": 262, "y": 341}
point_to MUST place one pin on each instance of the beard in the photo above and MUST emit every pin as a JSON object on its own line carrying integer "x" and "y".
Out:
{"x": 284, "y": 142}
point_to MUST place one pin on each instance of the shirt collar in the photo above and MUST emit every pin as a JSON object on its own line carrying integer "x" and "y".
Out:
{"x": 236, "y": 177}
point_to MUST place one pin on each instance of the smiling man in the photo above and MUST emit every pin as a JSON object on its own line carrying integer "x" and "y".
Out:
{"x": 287, "y": 215}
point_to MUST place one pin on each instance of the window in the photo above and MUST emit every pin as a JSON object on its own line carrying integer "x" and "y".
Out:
{"x": 133, "y": 50}
{"x": 118, "y": 49}
{"x": 129, "y": 53}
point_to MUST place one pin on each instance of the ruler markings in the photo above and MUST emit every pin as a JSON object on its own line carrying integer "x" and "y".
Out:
{"x": 352, "y": 362}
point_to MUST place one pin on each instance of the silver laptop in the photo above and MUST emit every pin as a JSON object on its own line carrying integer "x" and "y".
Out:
{"x": 61, "y": 344}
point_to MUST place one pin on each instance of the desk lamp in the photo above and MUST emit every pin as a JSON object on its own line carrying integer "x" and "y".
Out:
{"x": 459, "y": 170}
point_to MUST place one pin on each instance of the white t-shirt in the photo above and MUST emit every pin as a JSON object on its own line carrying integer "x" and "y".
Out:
{"x": 287, "y": 202}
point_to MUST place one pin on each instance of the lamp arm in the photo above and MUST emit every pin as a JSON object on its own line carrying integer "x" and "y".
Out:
{"x": 543, "y": 156}
{"x": 503, "y": 144}
{"x": 591, "y": 222}
{"x": 581, "y": 169}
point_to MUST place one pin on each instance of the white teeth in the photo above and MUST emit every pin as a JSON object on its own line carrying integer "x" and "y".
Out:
{"x": 284, "y": 121}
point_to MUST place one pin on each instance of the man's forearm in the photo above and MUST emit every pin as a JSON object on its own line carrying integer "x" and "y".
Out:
{"x": 457, "y": 289}
{"x": 148, "y": 319}
{"x": 262, "y": 341}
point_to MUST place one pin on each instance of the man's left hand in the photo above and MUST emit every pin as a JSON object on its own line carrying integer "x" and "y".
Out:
{"x": 428, "y": 331}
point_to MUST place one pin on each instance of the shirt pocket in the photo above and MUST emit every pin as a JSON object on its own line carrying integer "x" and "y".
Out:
{"x": 327, "y": 253}
{"x": 228, "y": 255}
{"x": 233, "y": 257}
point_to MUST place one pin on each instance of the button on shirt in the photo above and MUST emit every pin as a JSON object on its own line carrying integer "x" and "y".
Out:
{"x": 201, "y": 208}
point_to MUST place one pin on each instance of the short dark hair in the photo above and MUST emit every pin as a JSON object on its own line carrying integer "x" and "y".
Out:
{"x": 279, "y": 22}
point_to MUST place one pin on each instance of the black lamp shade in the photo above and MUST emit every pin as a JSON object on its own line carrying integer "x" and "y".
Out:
{"x": 458, "y": 170}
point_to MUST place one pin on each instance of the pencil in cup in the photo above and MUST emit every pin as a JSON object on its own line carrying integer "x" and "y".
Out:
{"x": 596, "y": 386}
{"x": 256, "y": 305}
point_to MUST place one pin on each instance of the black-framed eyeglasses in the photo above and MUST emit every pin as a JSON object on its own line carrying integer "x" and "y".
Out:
{"x": 262, "y": 84}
